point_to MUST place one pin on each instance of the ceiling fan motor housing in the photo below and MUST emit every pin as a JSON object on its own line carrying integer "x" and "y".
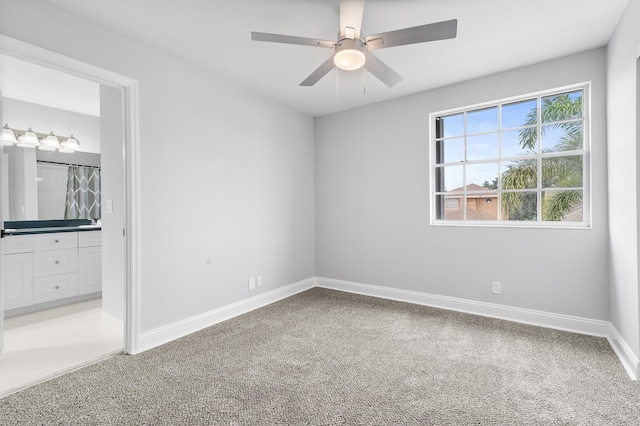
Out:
{"x": 349, "y": 54}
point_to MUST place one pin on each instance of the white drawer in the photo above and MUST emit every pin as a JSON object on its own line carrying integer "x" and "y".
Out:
{"x": 59, "y": 240}
{"x": 18, "y": 244}
{"x": 89, "y": 238}
{"x": 54, "y": 262}
{"x": 55, "y": 287}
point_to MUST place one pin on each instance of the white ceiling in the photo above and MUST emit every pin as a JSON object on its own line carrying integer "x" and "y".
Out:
{"x": 36, "y": 84}
{"x": 493, "y": 35}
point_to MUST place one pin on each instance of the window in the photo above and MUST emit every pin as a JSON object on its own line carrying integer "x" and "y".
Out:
{"x": 452, "y": 203}
{"x": 520, "y": 162}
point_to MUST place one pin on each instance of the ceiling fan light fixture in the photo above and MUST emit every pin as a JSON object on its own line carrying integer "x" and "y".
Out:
{"x": 349, "y": 59}
{"x": 349, "y": 55}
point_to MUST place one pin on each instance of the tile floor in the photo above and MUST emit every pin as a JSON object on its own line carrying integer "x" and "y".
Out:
{"x": 45, "y": 344}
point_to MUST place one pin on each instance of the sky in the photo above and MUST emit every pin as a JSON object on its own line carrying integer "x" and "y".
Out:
{"x": 492, "y": 138}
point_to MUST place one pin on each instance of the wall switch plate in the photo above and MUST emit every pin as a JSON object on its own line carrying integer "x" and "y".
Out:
{"x": 259, "y": 282}
{"x": 496, "y": 287}
{"x": 252, "y": 283}
{"x": 109, "y": 206}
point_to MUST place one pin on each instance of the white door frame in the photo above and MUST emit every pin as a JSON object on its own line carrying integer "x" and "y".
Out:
{"x": 129, "y": 86}
{"x": 2, "y": 218}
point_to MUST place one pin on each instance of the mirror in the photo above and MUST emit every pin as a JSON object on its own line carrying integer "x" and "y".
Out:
{"x": 36, "y": 182}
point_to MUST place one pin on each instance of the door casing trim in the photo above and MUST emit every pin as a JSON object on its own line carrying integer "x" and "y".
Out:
{"x": 34, "y": 54}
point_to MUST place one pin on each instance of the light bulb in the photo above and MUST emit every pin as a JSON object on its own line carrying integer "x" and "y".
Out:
{"x": 69, "y": 146}
{"x": 349, "y": 59}
{"x": 8, "y": 137}
{"x": 29, "y": 139}
{"x": 50, "y": 143}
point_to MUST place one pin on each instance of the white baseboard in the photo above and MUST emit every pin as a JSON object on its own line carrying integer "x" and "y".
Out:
{"x": 161, "y": 335}
{"x": 623, "y": 351}
{"x": 527, "y": 316}
{"x": 156, "y": 337}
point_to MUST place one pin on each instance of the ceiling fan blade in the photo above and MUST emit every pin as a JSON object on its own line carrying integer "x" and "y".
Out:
{"x": 420, "y": 34}
{"x": 279, "y": 38}
{"x": 381, "y": 70}
{"x": 351, "y": 18}
{"x": 320, "y": 72}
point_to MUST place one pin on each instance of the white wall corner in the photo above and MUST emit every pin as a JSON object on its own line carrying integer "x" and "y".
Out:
{"x": 161, "y": 335}
{"x": 624, "y": 353}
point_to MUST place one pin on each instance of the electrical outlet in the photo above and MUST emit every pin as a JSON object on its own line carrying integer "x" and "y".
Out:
{"x": 252, "y": 283}
{"x": 259, "y": 282}
{"x": 496, "y": 287}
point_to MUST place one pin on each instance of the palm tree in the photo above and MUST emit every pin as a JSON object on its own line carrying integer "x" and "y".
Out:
{"x": 561, "y": 112}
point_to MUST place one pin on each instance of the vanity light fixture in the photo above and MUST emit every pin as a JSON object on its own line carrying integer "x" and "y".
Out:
{"x": 50, "y": 143}
{"x": 70, "y": 145}
{"x": 29, "y": 139}
{"x": 8, "y": 137}
{"x": 45, "y": 142}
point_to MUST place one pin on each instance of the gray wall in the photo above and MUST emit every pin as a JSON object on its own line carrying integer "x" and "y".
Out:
{"x": 372, "y": 205}
{"x": 624, "y": 175}
{"x": 214, "y": 210}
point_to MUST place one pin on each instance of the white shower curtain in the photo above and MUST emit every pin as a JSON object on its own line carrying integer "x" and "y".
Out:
{"x": 83, "y": 193}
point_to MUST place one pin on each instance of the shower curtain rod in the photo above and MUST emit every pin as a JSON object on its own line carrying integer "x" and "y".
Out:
{"x": 66, "y": 164}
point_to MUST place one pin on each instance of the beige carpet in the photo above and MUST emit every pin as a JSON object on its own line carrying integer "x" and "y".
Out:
{"x": 327, "y": 358}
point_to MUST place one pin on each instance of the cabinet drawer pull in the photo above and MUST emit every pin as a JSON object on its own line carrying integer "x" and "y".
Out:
{"x": 56, "y": 262}
{"x": 57, "y": 287}
{"x": 56, "y": 241}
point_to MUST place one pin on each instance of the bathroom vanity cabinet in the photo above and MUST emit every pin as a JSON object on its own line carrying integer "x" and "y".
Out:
{"x": 48, "y": 267}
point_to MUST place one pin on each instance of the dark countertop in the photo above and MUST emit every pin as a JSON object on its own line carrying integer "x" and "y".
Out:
{"x": 26, "y": 227}
{"x": 26, "y": 231}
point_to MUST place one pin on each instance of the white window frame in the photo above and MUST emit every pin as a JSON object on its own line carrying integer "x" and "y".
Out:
{"x": 586, "y": 153}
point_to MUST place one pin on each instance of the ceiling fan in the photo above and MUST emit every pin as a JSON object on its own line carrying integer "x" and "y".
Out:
{"x": 352, "y": 51}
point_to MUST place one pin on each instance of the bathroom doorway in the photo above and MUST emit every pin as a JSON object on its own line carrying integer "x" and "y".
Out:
{"x": 118, "y": 227}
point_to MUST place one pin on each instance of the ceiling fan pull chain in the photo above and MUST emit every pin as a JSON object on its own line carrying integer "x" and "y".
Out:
{"x": 364, "y": 81}
{"x": 337, "y": 86}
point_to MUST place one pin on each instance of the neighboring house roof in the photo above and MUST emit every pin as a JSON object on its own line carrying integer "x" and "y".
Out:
{"x": 473, "y": 190}
{"x": 470, "y": 187}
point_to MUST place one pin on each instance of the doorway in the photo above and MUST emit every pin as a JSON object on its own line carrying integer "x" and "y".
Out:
{"x": 123, "y": 232}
